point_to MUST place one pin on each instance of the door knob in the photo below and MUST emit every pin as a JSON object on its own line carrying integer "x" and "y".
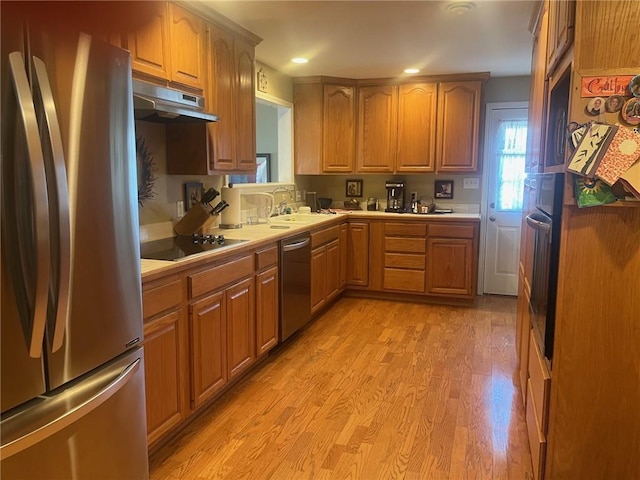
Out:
{"x": 492, "y": 218}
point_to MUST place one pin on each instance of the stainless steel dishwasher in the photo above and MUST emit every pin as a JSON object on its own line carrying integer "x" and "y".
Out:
{"x": 295, "y": 284}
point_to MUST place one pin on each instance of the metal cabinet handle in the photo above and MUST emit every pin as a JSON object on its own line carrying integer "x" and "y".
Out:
{"x": 57, "y": 177}
{"x": 40, "y": 202}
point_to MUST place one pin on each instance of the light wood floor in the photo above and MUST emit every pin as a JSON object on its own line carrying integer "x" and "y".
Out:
{"x": 371, "y": 389}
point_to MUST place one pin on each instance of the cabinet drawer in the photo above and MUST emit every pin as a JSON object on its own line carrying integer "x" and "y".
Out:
{"x": 451, "y": 231}
{"x": 404, "y": 280}
{"x": 216, "y": 277}
{"x": 409, "y": 245}
{"x": 266, "y": 258}
{"x": 537, "y": 440}
{"x": 406, "y": 229}
{"x": 540, "y": 382}
{"x": 159, "y": 299}
{"x": 404, "y": 260}
{"x": 325, "y": 236}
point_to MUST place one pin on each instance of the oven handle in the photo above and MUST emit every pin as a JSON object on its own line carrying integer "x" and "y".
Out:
{"x": 538, "y": 222}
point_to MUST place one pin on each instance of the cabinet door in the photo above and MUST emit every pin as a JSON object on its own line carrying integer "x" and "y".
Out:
{"x": 318, "y": 277}
{"x": 266, "y": 310}
{"x": 307, "y": 128}
{"x": 449, "y": 266}
{"x": 187, "y": 47}
{"x": 358, "y": 254}
{"x": 245, "y": 106}
{"x": 332, "y": 284}
{"x": 538, "y": 97}
{"x": 241, "y": 334}
{"x": 338, "y": 152}
{"x": 344, "y": 235}
{"x": 166, "y": 375}
{"x": 561, "y": 24}
{"x": 222, "y": 132}
{"x": 149, "y": 45}
{"x": 208, "y": 352}
{"x": 416, "y": 151}
{"x": 377, "y": 115}
{"x": 458, "y": 120}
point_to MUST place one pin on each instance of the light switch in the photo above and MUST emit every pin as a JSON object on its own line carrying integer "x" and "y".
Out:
{"x": 179, "y": 209}
{"x": 471, "y": 183}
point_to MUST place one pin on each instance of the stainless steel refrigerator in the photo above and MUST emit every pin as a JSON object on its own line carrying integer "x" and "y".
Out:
{"x": 72, "y": 384}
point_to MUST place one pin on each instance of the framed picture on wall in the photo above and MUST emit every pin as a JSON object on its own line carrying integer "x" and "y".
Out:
{"x": 354, "y": 188}
{"x": 444, "y": 189}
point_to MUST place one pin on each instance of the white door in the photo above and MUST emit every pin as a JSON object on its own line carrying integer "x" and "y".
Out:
{"x": 505, "y": 162}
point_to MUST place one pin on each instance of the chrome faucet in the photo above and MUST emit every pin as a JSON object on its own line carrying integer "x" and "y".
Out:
{"x": 282, "y": 206}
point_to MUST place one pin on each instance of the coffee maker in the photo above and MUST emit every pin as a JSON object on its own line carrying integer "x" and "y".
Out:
{"x": 395, "y": 196}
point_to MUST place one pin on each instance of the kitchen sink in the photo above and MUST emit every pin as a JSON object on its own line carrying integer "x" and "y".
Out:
{"x": 298, "y": 218}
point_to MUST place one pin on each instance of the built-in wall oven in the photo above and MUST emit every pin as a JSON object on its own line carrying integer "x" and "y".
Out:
{"x": 545, "y": 219}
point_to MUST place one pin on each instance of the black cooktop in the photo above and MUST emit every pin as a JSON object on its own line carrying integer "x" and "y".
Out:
{"x": 175, "y": 248}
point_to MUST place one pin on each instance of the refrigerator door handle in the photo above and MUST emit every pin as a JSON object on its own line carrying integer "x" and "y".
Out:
{"x": 73, "y": 415}
{"x": 58, "y": 178}
{"x": 40, "y": 202}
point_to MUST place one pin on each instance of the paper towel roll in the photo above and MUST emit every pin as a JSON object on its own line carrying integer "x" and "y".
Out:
{"x": 230, "y": 216}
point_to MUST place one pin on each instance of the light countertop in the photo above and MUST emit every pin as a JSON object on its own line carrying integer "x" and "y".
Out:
{"x": 283, "y": 227}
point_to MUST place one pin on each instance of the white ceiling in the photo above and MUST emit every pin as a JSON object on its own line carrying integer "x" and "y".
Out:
{"x": 365, "y": 39}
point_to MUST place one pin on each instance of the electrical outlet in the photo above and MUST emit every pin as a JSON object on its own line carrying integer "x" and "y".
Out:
{"x": 414, "y": 195}
{"x": 471, "y": 183}
{"x": 180, "y": 209}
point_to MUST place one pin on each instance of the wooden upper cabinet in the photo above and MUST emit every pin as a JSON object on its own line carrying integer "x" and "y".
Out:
{"x": 377, "y": 115}
{"x": 244, "y": 55}
{"x": 149, "y": 44}
{"x": 458, "y": 126}
{"x": 222, "y": 132}
{"x": 538, "y": 96}
{"x": 561, "y": 28}
{"x": 416, "y": 149}
{"x": 324, "y": 126}
{"x": 339, "y": 129}
{"x": 187, "y": 47}
{"x": 170, "y": 46}
{"x": 232, "y": 98}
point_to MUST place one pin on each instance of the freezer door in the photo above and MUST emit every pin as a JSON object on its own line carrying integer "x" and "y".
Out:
{"x": 95, "y": 429}
{"x": 89, "y": 82}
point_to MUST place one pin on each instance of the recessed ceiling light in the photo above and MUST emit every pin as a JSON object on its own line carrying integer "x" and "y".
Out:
{"x": 460, "y": 8}
{"x": 411, "y": 70}
{"x": 299, "y": 60}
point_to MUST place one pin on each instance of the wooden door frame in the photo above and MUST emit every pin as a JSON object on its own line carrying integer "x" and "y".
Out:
{"x": 490, "y": 108}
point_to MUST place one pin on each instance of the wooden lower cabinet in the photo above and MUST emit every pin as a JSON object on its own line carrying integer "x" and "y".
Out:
{"x": 241, "y": 334}
{"x": 358, "y": 254}
{"x": 325, "y": 274}
{"x": 344, "y": 235}
{"x": 450, "y": 266}
{"x": 318, "y": 278}
{"x": 267, "y": 296}
{"x": 166, "y": 377}
{"x": 222, "y": 338}
{"x": 166, "y": 356}
{"x": 404, "y": 257}
{"x": 207, "y": 327}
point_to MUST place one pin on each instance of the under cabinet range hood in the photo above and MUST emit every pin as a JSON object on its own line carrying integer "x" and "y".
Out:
{"x": 154, "y": 103}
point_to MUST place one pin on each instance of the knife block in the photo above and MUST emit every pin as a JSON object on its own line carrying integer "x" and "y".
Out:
{"x": 196, "y": 220}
